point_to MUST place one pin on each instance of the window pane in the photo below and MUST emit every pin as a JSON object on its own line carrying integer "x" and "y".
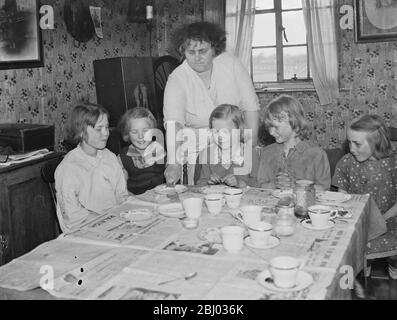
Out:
{"x": 291, "y": 4}
{"x": 295, "y": 28}
{"x": 264, "y": 4}
{"x": 264, "y": 30}
{"x": 295, "y": 62}
{"x": 264, "y": 64}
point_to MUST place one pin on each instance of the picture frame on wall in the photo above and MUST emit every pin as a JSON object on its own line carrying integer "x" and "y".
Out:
{"x": 20, "y": 34}
{"x": 375, "y": 20}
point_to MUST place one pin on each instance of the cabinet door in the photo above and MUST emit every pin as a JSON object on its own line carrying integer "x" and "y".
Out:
{"x": 28, "y": 216}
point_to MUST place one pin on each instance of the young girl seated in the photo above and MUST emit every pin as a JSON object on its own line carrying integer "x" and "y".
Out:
{"x": 370, "y": 167}
{"x": 290, "y": 158}
{"x": 89, "y": 180}
{"x": 143, "y": 160}
{"x": 223, "y": 161}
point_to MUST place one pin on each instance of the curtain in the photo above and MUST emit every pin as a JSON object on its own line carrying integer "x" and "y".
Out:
{"x": 239, "y": 24}
{"x": 321, "y": 29}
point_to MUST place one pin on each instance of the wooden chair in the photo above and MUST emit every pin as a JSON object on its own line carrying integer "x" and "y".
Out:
{"x": 47, "y": 174}
{"x": 162, "y": 68}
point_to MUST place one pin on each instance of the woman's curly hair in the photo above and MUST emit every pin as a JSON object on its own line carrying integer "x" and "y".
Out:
{"x": 209, "y": 32}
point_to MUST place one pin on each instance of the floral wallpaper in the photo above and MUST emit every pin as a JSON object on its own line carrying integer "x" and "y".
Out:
{"x": 367, "y": 73}
{"x": 46, "y": 95}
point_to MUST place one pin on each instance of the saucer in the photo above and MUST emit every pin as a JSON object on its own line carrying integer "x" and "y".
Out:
{"x": 271, "y": 243}
{"x": 213, "y": 189}
{"x": 172, "y": 210}
{"x": 307, "y": 224}
{"x": 163, "y": 189}
{"x": 303, "y": 280}
{"x": 329, "y": 197}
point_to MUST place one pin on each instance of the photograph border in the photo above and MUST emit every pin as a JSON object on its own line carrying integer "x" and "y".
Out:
{"x": 359, "y": 22}
{"x": 28, "y": 63}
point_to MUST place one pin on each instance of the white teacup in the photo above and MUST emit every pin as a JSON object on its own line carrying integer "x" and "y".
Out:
{"x": 284, "y": 271}
{"x": 250, "y": 214}
{"x": 193, "y": 207}
{"x": 214, "y": 202}
{"x": 233, "y": 197}
{"x": 319, "y": 215}
{"x": 232, "y": 238}
{"x": 260, "y": 232}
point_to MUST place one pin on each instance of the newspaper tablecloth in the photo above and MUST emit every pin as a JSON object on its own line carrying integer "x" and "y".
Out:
{"x": 111, "y": 259}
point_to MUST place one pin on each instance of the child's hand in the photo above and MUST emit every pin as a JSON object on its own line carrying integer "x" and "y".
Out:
{"x": 215, "y": 179}
{"x": 230, "y": 180}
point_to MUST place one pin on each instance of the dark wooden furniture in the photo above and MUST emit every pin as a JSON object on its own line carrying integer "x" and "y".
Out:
{"x": 123, "y": 83}
{"x": 126, "y": 82}
{"x": 27, "y": 214}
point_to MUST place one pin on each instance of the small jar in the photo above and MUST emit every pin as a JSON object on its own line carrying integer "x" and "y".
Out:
{"x": 305, "y": 196}
{"x": 284, "y": 224}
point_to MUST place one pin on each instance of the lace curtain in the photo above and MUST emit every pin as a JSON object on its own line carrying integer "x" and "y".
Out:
{"x": 239, "y": 23}
{"x": 320, "y": 23}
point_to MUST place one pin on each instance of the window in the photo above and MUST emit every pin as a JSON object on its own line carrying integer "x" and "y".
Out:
{"x": 279, "y": 48}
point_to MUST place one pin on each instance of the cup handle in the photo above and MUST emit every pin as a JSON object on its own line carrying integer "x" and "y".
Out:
{"x": 240, "y": 217}
{"x": 302, "y": 263}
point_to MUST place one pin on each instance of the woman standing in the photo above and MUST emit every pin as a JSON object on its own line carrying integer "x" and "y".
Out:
{"x": 207, "y": 78}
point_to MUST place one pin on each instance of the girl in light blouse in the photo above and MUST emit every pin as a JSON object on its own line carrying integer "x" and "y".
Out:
{"x": 89, "y": 180}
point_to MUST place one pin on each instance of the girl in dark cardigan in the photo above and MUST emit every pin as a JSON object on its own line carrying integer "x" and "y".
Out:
{"x": 143, "y": 160}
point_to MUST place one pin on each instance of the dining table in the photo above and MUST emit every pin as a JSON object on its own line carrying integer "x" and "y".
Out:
{"x": 139, "y": 250}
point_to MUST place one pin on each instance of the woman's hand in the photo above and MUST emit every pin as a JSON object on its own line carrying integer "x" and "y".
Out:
{"x": 230, "y": 180}
{"x": 215, "y": 179}
{"x": 173, "y": 173}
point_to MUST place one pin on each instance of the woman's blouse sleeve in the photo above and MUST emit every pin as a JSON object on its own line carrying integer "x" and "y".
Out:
{"x": 174, "y": 101}
{"x": 340, "y": 178}
{"x": 249, "y": 99}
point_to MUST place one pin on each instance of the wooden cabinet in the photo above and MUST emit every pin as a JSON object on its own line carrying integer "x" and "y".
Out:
{"x": 124, "y": 83}
{"x": 27, "y": 214}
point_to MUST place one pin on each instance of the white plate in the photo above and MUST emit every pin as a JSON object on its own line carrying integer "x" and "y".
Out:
{"x": 172, "y": 210}
{"x": 211, "y": 235}
{"x": 280, "y": 193}
{"x": 163, "y": 189}
{"x": 213, "y": 189}
{"x": 137, "y": 215}
{"x": 332, "y": 197}
{"x": 308, "y": 225}
{"x": 271, "y": 243}
{"x": 303, "y": 280}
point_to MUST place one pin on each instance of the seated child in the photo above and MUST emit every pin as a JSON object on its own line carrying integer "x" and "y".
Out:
{"x": 89, "y": 180}
{"x": 290, "y": 158}
{"x": 223, "y": 162}
{"x": 371, "y": 167}
{"x": 143, "y": 160}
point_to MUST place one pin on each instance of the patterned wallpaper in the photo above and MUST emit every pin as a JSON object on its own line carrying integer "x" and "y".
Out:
{"x": 46, "y": 95}
{"x": 367, "y": 75}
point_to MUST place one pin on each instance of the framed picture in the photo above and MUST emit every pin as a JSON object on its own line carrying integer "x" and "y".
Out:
{"x": 20, "y": 34}
{"x": 375, "y": 20}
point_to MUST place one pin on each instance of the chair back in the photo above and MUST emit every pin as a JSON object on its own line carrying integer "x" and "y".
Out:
{"x": 162, "y": 68}
{"x": 48, "y": 176}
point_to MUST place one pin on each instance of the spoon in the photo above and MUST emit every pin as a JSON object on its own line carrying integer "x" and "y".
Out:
{"x": 187, "y": 277}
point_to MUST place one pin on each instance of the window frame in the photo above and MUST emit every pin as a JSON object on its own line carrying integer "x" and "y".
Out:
{"x": 281, "y": 83}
